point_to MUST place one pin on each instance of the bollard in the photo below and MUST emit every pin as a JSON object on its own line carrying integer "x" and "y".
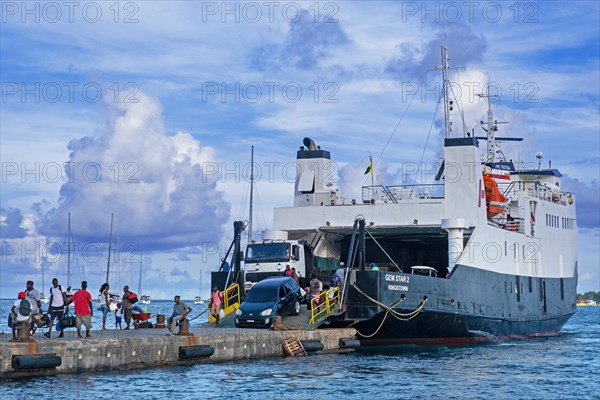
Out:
{"x": 160, "y": 320}
{"x": 184, "y": 327}
{"x": 276, "y": 322}
{"x": 23, "y": 331}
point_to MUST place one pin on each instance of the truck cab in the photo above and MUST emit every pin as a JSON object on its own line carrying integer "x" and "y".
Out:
{"x": 270, "y": 256}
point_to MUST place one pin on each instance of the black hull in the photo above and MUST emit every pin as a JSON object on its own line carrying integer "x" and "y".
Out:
{"x": 430, "y": 328}
{"x": 470, "y": 306}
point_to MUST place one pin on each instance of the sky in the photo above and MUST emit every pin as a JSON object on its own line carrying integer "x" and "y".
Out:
{"x": 147, "y": 111}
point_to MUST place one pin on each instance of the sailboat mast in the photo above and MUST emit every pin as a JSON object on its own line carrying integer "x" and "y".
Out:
{"x": 140, "y": 281}
{"x": 43, "y": 279}
{"x": 251, "y": 194}
{"x": 69, "y": 252}
{"x": 109, "y": 247}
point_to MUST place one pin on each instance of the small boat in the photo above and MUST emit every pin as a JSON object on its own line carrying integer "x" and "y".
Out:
{"x": 43, "y": 298}
{"x": 198, "y": 300}
{"x": 586, "y": 303}
{"x": 145, "y": 299}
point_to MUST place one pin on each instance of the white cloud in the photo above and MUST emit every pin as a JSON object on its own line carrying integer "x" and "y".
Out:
{"x": 152, "y": 182}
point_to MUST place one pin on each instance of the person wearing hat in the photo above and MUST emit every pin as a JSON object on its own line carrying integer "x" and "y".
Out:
{"x": 83, "y": 309}
{"x": 19, "y": 314}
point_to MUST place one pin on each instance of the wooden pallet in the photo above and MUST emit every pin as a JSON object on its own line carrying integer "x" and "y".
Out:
{"x": 293, "y": 347}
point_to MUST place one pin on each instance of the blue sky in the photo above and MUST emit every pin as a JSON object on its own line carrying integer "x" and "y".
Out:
{"x": 148, "y": 110}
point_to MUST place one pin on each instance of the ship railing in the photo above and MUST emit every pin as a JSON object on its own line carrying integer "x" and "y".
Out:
{"x": 510, "y": 223}
{"x": 515, "y": 226}
{"x": 231, "y": 295}
{"x": 537, "y": 190}
{"x": 231, "y": 301}
{"x": 323, "y": 303}
{"x": 399, "y": 193}
{"x": 553, "y": 196}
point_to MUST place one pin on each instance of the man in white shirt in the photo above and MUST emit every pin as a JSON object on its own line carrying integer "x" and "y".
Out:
{"x": 34, "y": 298}
{"x": 58, "y": 302}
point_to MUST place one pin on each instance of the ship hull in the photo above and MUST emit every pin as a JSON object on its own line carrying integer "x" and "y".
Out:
{"x": 470, "y": 306}
{"x": 439, "y": 328}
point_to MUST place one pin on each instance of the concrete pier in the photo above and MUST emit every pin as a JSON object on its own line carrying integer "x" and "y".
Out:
{"x": 149, "y": 348}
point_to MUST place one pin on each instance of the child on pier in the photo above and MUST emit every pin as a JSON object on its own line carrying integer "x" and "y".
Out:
{"x": 118, "y": 313}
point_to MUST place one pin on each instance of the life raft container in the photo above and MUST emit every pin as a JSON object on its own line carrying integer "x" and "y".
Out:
{"x": 494, "y": 199}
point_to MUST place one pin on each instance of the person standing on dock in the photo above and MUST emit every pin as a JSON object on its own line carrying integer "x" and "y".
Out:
{"x": 56, "y": 306}
{"x": 216, "y": 299}
{"x": 316, "y": 287}
{"x": 127, "y": 307}
{"x": 118, "y": 313}
{"x": 103, "y": 299}
{"x": 180, "y": 311}
{"x": 83, "y": 309}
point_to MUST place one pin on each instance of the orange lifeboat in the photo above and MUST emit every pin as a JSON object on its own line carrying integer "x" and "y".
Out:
{"x": 494, "y": 200}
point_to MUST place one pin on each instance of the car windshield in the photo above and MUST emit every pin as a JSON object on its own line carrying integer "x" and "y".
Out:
{"x": 261, "y": 295}
{"x": 268, "y": 252}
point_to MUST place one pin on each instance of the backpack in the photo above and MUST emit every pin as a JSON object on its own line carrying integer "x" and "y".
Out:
{"x": 25, "y": 308}
{"x": 132, "y": 298}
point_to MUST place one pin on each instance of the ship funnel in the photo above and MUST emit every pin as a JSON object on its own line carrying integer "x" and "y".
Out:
{"x": 310, "y": 144}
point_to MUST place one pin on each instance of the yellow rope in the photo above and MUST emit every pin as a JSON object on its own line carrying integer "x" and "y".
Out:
{"x": 389, "y": 310}
{"x": 191, "y": 319}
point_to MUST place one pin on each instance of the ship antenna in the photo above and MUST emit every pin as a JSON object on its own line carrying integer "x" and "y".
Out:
{"x": 448, "y": 104}
{"x": 490, "y": 127}
{"x": 446, "y": 83}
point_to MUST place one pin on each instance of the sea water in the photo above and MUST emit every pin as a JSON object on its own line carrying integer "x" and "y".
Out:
{"x": 566, "y": 366}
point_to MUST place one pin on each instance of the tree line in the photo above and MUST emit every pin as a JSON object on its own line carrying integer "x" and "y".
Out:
{"x": 589, "y": 296}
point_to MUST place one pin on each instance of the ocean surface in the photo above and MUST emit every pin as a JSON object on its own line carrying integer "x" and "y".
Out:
{"x": 566, "y": 366}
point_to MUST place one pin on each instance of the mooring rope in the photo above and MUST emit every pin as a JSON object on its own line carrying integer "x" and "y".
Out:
{"x": 389, "y": 311}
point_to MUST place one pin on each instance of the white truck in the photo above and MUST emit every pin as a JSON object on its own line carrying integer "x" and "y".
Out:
{"x": 270, "y": 256}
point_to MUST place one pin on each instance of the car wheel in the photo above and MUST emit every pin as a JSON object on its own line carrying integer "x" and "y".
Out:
{"x": 296, "y": 310}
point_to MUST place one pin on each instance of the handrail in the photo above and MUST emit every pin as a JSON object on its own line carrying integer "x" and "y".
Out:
{"x": 231, "y": 301}
{"x": 323, "y": 307}
{"x": 228, "y": 296}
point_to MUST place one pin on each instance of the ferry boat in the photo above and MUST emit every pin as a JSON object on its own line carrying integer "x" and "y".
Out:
{"x": 487, "y": 252}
